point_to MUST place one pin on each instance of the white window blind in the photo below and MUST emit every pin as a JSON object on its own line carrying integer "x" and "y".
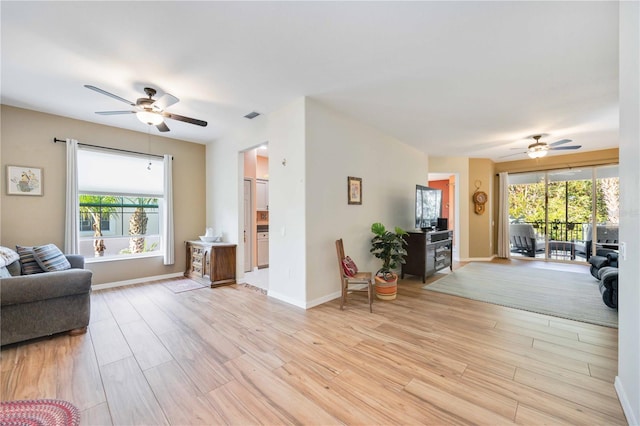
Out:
{"x": 101, "y": 172}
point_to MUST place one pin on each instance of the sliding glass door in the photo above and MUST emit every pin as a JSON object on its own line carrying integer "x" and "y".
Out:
{"x": 563, "y": 214}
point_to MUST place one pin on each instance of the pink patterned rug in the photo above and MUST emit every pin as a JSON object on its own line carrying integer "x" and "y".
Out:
{"x": 39, "y": 412}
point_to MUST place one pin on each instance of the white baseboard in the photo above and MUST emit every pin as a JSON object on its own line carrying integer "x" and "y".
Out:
{"x": 478, "y": 259}
{"x": 323, "y": 299}
{"x": 287, "y": 299}
{"x": 136, "y": 281}
{"x": 624, "y": 402}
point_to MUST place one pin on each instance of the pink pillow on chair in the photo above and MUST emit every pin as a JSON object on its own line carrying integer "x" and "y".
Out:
{"x": 349, "y": 267}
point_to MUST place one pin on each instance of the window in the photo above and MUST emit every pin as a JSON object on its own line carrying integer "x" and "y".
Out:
{"x": 120, "y": 199}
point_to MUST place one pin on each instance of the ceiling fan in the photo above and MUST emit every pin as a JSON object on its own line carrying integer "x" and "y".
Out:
{"x": 539, "y": 149}
{"x": 148, "y": 110}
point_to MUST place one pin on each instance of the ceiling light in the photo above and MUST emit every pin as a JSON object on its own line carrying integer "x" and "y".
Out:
{"x": 148, "y": 117}
{"x": 537, "y": 151}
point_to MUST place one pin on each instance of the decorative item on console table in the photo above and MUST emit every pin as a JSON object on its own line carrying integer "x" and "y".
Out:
{"x": 388, "y": 246}
{"x": 427, "y": 253}
{"x": 211, "y": 264}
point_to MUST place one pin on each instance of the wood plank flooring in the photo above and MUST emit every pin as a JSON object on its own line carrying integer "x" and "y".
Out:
{"x": 232, "y": 355}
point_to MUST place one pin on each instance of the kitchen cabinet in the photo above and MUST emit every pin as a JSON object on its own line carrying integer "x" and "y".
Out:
{"x": 263, "y": 249}
{"x": 211, "y": 263}
{"x": 262, "y": 195}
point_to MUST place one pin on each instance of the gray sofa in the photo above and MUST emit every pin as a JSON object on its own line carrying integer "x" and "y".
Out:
{"x": 42, "y": 304}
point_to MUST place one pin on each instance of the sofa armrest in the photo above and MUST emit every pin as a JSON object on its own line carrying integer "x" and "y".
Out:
{"x": 599, "y": 261}
{"x": 47, "y": 285}
{"x": 76, "y": 260}
{"x": 609, "y": 277}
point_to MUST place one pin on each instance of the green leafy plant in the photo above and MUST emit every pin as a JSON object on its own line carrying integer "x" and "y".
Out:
{"x": 388, "y": 246}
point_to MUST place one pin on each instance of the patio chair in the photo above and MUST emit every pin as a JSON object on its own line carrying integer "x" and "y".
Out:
{"x": 606, "y": 241}
{"x": 524, "y": 240}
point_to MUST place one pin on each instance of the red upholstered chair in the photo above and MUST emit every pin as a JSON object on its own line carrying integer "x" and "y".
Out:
{"x": 359, "y": 282}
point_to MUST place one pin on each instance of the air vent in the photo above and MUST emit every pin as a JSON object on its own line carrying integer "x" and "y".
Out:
{"x": 252, "y": 115}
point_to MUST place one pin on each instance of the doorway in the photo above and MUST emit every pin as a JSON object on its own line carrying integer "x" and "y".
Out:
{"x": 248, "y": 225}
{"x": 255, "y": 219}
{"x": 447, "y": 183}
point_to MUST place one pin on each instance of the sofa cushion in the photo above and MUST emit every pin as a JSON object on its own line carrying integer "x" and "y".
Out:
{"x": 28, "y": 261}
{"x": 38, "y": 287}
{"x": 15, "y": 269}
{"x": 50, "y": 258}
{"x": 7, "y": 256}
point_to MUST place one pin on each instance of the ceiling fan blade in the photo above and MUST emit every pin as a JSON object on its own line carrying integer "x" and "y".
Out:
{"x": 162, "y": 127}
{"x": 560, "y": 142}
{"x": 185, "y": 119}
{"x": 114, "y": 112}
{"x": 104, "y": 92}
{"x": 165, "y": 101}
{"x": 566, "y": 147}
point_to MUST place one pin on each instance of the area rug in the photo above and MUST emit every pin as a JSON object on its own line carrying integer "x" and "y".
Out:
{"x": 178, "y": 286}
{"x": 561, "y": 294}
{"x": 39, "y": 412}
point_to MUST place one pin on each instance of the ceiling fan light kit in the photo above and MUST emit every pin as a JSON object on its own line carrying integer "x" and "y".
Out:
{"x": 149, "y": 117}
{"x": 537, "y": 150}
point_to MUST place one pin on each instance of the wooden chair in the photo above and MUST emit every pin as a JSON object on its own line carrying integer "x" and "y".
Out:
{"x": 359, "y": 279}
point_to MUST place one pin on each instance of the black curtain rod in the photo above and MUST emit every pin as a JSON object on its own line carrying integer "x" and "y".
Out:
{"x": 56, "y": 140}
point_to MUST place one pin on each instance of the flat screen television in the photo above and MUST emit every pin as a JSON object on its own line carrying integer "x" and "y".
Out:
{"x": 428, "y": 207}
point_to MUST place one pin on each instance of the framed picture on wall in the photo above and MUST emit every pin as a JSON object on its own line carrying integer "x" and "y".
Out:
{"x": 354, "y": 190}
{"x": 24, "y": 180}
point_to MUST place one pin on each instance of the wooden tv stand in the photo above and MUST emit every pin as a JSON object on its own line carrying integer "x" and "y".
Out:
{"x": 427, "y": 253}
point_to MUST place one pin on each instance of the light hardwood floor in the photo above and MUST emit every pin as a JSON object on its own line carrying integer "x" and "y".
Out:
{"x": 232, "y": 355}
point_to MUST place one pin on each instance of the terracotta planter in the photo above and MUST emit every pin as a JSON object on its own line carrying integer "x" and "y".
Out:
{"x": 386, "y": 290}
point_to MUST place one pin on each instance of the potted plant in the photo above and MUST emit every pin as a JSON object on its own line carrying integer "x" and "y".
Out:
{"x": 388, "y": 246}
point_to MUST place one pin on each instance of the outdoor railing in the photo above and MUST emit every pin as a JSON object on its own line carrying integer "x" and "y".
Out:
{"x": 560, "y": 231}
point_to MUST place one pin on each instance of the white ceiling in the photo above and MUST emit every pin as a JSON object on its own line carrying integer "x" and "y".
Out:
{"x": 450, "y": 78}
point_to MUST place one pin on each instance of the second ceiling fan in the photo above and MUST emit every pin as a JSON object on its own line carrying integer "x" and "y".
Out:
{"x": 148, "y": 110}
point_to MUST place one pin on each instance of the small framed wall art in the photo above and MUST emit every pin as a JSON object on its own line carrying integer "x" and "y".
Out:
{"x": 354, "y": 190}
{"x": 24, "y": 180}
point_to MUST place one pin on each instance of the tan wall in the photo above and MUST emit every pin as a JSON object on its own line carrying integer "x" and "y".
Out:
{"x": 481, "y": 173}
{"x": 27, "y": 140}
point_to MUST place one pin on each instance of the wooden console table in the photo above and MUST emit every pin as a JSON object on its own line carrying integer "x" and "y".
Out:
{"x": 427, "y": 253}
{"x": 211, "y": 263}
